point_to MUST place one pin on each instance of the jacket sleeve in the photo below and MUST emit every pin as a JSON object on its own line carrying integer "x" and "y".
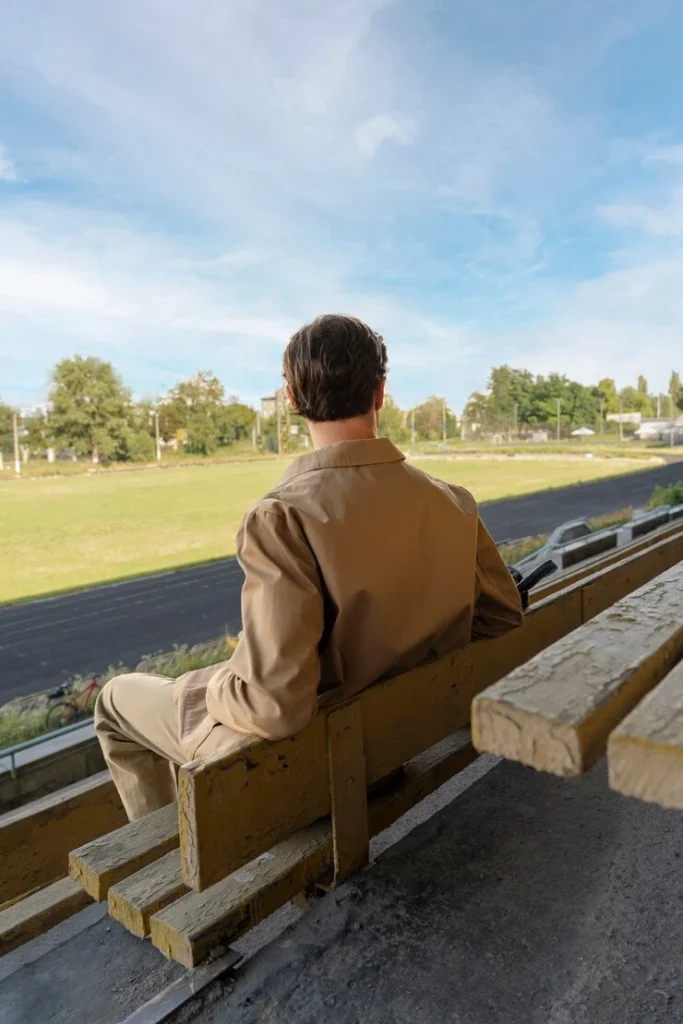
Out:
{"x": 497, "y": 603}
{"x": 270, "y": 685}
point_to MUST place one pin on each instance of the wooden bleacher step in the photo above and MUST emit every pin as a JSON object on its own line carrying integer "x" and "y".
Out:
{"x": 98, "y": 865}
{"x": 36, "y": 839}
{"x": 32, "y": 916}
{"x": 286, "y": 869}
{"x": 645, "y": 752}
{"x": 555, "y": 713}
{"x": 188, "y": 929}
{"x": 134, "y": 899}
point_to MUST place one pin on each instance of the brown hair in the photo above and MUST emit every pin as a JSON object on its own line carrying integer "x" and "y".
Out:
{"x": 333, "y": 366}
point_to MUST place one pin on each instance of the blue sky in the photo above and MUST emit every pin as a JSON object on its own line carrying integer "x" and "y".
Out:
{"x": 182, "y": 184}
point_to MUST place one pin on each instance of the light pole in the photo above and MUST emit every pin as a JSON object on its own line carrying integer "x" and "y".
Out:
{"x": 15, "y": 431}
{"x": 559, "y": 406}
{"x": 157, "y": 438}
{"x": 443, "y": 422}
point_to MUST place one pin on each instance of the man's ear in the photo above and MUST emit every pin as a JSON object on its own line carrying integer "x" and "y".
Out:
{"x": 379, "y": 395}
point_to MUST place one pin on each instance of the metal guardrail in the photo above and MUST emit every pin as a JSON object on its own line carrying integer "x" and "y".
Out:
{"x": 11, "y": 752}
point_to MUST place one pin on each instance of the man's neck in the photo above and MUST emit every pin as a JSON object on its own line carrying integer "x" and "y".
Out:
{"x": 360, "y": 428}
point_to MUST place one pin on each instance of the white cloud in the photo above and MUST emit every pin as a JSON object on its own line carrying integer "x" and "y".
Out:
{"x": 370, "y": 134}
{"x": 8, "y": 171}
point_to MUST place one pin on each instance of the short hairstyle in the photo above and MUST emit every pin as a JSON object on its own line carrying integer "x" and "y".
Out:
{"x": 333, "y": 367}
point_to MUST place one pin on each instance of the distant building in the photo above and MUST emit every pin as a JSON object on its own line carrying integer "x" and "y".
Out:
{"x": 624, "y": 417}
{"x": 539, "y": 437}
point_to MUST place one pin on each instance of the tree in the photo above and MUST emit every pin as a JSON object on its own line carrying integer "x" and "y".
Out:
{"x": 676, "y": 389}
{"x": 633, "y": 400}
{"x": 88, "y": 407}
{"x": 195, "y": 405}
{"x": 235, "y": 422}
{"x": 6, "y": 429}
{"x": 609, "y": 395}
{"x": 642, "y": 385}
{"x": 392, "y": 422}
{"x": 429, "y": 419}
{"x": 38, "y": 433}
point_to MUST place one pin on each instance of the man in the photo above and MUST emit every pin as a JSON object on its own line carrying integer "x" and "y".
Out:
{"x": 357, "y": 567}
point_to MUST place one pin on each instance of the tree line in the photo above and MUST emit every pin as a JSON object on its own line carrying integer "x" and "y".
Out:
{"x": 516, "y": 400}
{"x": 91, "y": 413}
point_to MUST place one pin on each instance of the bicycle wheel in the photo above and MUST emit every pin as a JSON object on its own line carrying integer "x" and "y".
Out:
{"x": 60, "y": 715}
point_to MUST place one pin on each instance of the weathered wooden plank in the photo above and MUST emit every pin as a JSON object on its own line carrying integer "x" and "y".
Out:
{"x": 621, "y": 579}
{"x": 274, "y": 789}
{"x": 136, "y": 900}
{"x": 188, "y": 929}
{"x": 556, "y": 712}
{"x": 35, "y": 840}
{"x": 133, "y": 900}
{"x": 348, "y": 789}
{"x": 645, "y": 752}
{"x": 37, "y": 913}
{"x": 98, "y": 865}
{"x": 672, "y": 534}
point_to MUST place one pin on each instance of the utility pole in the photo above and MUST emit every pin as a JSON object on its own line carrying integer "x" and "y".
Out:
{"x": 443, "y": 422}
{"x": 559, "y": 406}
{"x": 412, "y": 427}
{"x": 156, "y": 435}
{"x": 659, "y": 407}
{"x": 15, "y": 431}
{"x": 602, "y": 415}
{"x": 621, "y": 422}
{"x": 515, "y": 407}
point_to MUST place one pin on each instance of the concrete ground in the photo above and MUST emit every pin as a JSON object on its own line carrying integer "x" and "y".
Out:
{"x": 527, "y": 900}
{"x": 45, "y": 642}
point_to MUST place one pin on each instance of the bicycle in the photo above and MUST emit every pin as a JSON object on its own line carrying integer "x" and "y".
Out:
{"x": 74, "y": 708}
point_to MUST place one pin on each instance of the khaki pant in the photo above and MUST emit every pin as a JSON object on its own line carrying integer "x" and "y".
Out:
{"x": 136, "y": 721}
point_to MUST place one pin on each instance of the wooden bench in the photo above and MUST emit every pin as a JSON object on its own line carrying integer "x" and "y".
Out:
{"x": 302, "y": 810}
{"x": 560, "y": 711}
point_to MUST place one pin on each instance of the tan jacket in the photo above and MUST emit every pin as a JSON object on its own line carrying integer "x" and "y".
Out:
{"x": 358, "y": 566}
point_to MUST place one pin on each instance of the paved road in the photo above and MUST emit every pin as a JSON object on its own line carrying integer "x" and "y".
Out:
{"x": 48, "y": 641}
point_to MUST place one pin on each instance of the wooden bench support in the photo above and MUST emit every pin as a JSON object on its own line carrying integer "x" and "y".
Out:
{"x": 556, "y": 712}
{"x": 42, "y": 910}
{"x": 135, "y": 900}
{"x": 645, "y": 752}
{"x": 348, "y": 790}
{"x": 188, "y": 929}
{"x": 101, "y": 863}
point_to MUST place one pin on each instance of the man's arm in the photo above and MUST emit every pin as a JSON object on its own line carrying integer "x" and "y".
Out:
{"x": 270, "y": 685}
{"x": 497, "y": 605}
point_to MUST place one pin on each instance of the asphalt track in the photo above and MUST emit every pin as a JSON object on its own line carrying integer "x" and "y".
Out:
{"x": 45, "y": 642}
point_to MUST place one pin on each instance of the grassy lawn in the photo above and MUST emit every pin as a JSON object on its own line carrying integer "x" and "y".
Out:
{"x": 62, "y": 533}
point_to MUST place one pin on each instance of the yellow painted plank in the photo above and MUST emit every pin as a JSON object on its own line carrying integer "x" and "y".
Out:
{"x": 133, "y": 900}
{"x": 348, "y": 789}
{"x": 188, "y": 929}
{"x": 645, "y": 752}
{"x": 274, "y": 789}
{"x": 556, "y": 712}
{"x": 35, "y": 840}
{"x": 37, "y": 913}
{"x": 621, "y": 579}
{"x": 98, "y": 865}
{"x": 598, "y": 564}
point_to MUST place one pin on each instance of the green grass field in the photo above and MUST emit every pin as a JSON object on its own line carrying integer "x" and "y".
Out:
{"x": 67, "y": 532}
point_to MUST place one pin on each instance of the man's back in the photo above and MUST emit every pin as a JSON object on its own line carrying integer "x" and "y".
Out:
{"x": 397, "y": 555}
{"x": 357, "y": 566}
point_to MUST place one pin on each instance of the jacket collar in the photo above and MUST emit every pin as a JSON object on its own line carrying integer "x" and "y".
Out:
{"x": 345, "y": 454}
